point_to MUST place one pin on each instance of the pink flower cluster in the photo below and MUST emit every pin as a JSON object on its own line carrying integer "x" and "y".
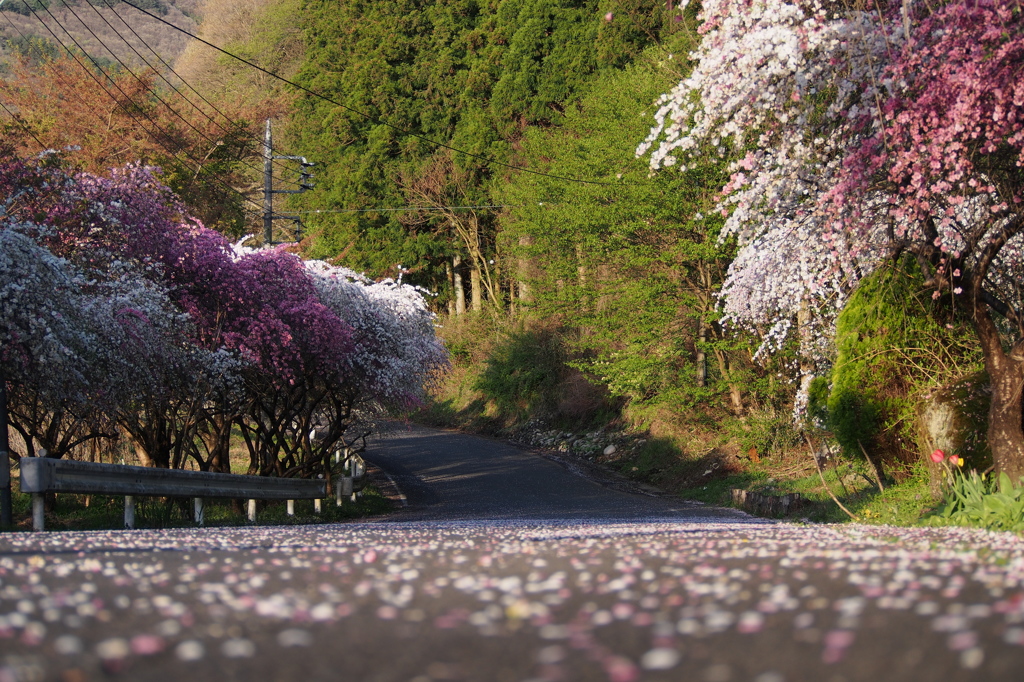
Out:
{"x": 113, "y": 290}
{"x": 938, "y": 456}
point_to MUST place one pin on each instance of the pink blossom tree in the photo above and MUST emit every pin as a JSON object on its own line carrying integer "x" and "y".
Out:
{"x": 161, "y": 325}
{"x": 860, "y": 135}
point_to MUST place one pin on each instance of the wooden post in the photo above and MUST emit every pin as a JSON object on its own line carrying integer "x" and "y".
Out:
{"x": 129, "y": 512}
{"x": 291, "y": 507}
{"x": 316, "y": 505}
{"x": 252, "y": 511}
{"x": 198, "y": 511}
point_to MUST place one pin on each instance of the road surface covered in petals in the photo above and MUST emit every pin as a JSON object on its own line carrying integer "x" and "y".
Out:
{"x": 686, "y": 594}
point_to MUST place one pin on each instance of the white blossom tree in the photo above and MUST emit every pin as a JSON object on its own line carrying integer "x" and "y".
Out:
{"x": 861, "y": 132}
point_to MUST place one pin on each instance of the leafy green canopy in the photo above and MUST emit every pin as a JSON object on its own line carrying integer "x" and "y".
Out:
{"x": 472, "y": 74}
{"x": 631, "y": 265}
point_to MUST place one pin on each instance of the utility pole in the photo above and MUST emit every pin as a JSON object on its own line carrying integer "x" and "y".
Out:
{"x": 305, "y": 177}
{"x": 268, "y": 186}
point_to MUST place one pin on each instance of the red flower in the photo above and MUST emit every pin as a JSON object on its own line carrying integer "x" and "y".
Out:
{"x": 938, "y": 456}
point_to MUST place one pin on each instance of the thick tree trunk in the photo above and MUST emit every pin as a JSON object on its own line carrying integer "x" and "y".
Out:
{"x": 1006, "y": 374}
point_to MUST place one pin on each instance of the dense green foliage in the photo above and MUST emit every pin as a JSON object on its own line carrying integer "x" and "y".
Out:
{"x": 618, "y": 260}
{"x": 584, "y": 239}
{"x": 469, "y": 74}
{"x": 893, "y": 344}
{"x": 522, "y": 374}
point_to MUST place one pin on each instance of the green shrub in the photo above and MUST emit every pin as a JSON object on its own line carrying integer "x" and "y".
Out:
{"x": 978, "y": 501}
{"x": 893, "y": 342}
{"x": 522, "y": 374}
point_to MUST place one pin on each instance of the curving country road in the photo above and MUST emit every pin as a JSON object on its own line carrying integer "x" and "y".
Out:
{"x": 448, "y": 476}
{"x": 505, "y": 566}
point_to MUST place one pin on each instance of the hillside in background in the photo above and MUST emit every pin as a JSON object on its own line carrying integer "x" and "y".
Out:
{"x": 103, "y": 29}
{"x": 265, "y": 32}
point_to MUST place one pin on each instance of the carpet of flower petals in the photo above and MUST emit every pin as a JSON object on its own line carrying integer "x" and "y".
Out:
{"x": 703, "y": 599}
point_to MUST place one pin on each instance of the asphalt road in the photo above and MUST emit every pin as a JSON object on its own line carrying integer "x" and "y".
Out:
{"x": 573, "y": 592}
{"x": 448, "y": 476}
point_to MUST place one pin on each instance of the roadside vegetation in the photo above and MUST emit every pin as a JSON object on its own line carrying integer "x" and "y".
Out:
{"x": 711, "y": 261}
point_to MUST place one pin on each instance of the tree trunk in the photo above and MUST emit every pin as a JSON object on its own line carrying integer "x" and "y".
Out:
{"x": 806, "y": 336}
{"x": 218, "y": 445}
{"x": 451, "y": 283}
{"x": 735, "y": 394}
{"x": 702, "y": 360}
{"x": 460, "y": 292}
{"x": 1006, "y": 374}
{"x": 527, "y": 270}
{"x": 475, "y": 288}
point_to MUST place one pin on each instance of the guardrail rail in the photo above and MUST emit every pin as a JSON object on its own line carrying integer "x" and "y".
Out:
{"x": 40, "y": 475}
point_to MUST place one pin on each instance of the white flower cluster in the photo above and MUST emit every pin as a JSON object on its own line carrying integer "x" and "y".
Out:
{"x": 396, "y": 352}
{"x": 95, "y": 345}
{"x": 775, "y": 85}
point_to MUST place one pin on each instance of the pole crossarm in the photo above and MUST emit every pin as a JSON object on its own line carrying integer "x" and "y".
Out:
{"x": 305, "y": 184}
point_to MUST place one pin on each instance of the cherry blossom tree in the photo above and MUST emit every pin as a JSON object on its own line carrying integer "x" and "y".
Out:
{"x": 159, "y": 325}
{"x": 859, "y": 135}
{"x": 123, "y": 346}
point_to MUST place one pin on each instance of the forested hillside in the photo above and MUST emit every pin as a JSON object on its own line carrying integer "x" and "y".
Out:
{"x": 487, "y": 152}
{"x": 94, "y": 27}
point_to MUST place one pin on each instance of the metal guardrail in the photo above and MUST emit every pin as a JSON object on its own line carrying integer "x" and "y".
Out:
{"x": 41, "y": 475}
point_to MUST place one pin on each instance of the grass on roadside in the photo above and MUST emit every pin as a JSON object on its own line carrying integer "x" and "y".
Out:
{"x": 711, "y": 477}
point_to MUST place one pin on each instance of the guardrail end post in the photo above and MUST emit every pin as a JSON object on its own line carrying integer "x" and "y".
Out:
{"x": 197, "y": 506}
{"x": 129, "y": 512}
{"x": 38, "y": 516}
{"x": 252, "y": 511}
{"x": 316, "y": 505}
{"x": 291, "y": 507}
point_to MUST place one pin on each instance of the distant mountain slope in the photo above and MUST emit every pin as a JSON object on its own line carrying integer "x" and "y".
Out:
{"x": 265, "y": 32}
{"x": 117, "y": 32}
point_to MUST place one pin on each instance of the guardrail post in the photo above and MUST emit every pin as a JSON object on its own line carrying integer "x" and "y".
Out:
{"x": 198, "y": 511}
{"x": 291, "y": 507}
{"x": 129, "y": 512}
{"x": 316, "y": 505}
{"x": 252, "y": 511}
{"x": 38, "y": 516}
{"x": 343, "y": 488}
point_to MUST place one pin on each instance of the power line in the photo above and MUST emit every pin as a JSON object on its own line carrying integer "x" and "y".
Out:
{"x": 141, "y": 82}
{"x": 368, "y": 116}
{"x": 255, "y": 139}
{"x": 410, "y": 208}
{"x": 124, "y": 94}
